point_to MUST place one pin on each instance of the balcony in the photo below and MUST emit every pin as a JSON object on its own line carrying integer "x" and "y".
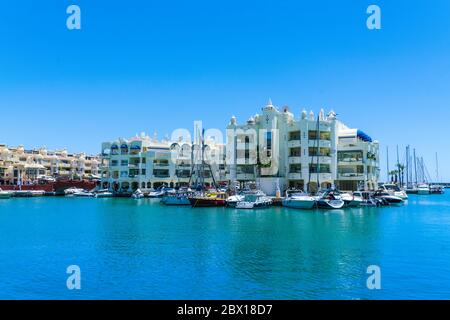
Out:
{"x": 322, "y": 159}
{"x": 295, "y": 176}
{"x": 322, "y": 143}
{"x": 294, "y": 143}
{"x": 351, "y": 176}
{"x": 295, "y": 159}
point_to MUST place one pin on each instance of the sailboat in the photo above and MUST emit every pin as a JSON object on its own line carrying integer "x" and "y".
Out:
{"x": 203, "y": 198}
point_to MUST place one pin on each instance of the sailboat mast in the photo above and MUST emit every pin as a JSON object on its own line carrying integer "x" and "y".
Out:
{"x": 437, "y": 169}
{"x": 415, "y": 166}
{"x": 387, "y": 163}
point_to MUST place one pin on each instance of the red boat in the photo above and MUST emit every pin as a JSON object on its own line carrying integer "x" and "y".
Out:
{"x": 57, "y": 186}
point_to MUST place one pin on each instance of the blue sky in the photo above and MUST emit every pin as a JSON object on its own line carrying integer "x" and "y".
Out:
{"x": 159, "y": 65}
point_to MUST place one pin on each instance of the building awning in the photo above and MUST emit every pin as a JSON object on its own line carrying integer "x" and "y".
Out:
{"x": 363, "y": 136}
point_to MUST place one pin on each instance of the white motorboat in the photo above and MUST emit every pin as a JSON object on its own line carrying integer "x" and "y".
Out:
{"x": 255, "y": 200}
{"x": 234, "y": 199}
{"x": 423, "y": 188}
{"x": 105, "y": 193}
{"x": 298, "y": 200}
{"x": 330, "y": 199}
{"x": 83, "y": 193}
{"x": 71, "y": 191}
{"x": 138, "y": 194}
{"x": 352, "y": 199}
{"x": 436, "y": 189}
{"x": 388, "y": 198}
{"x": 394, "y": 190}
{"x": 5, "y": 194}
{"x": 158, "y": 193}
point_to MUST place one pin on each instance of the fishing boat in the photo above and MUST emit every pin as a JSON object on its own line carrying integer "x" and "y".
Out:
{"x": 209, "y": 199}
{"x": 352, "y": 199}
{"x": 394, "y": 190}
{"x": 255, "y": 200}
{"x": 298, "y": 199}
{"x": 423, "y": 188}
{"x": 104, "y": 193}
{"x": 138, "y": 194}
{"x": 329, "y": 199}
{"x": 5, "y": 194}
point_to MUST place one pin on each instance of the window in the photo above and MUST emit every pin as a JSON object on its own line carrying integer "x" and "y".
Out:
{"x": 323, "y": 168}
{"x": 124, "y": 163}
{"x": 295, "y": 168}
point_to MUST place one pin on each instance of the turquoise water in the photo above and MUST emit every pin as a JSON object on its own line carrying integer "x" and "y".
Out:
{"x": 139, "y": 249}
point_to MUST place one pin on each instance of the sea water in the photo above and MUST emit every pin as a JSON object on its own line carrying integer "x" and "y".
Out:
{"x": 140, "y": 249}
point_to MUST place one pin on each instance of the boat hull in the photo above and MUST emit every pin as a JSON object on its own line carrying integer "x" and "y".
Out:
{"x": 205, "y": 202}
{"x": 299, "y": 204}
{"x": 330, "y": 204}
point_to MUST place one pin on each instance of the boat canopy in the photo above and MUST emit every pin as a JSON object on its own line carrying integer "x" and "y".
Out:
{"x": 364, "y": 137}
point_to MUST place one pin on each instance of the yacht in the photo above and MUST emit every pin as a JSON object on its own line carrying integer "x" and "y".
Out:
{"x": 234, "y": 199}
{"x": 83, "y": 194}
{"x": 138, "y": 194}
{"x": 158, "y": 193}
{"x": 352, "y": 199}
{"x": 104, "y": 193}
{"x": 394, "y": 190}
{"x": 423, "y": 188}
{"x": 436, "y": 189}
{"x": 388, "y": 198}
{"x": 71, "y": 191}
{"x": 255, "y": 200}
{"x": 5, "y": 194}
{"x": 330, "y": 199}
{"x": 298, "y": 199}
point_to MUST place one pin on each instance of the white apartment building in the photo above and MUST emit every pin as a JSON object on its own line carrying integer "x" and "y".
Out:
{"x": 21, "y": 166}
{"x": 275, "y": 149}
{"x": 146, "y": 163}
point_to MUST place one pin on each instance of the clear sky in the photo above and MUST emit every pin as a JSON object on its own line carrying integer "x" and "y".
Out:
{"x": 159, "y": 65}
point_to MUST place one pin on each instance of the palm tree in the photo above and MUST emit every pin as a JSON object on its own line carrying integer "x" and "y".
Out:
{"x": 393, "y": 174}
{"x": 401, "y": 170}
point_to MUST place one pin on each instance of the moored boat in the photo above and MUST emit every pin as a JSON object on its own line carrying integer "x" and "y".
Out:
{"x": 388, "y": 198}
{"x": 84, "y": 193}
{"x": 209, "y": 199}
{"x": 352, "y": 199}
{"x": 234, "y": 199}
{"x": 177, "y": 197}
{"x": 436, "y": 189}
{"x": 5, "y": 194}
{"x": 330, "y": 199}
{"x": 393, "y": 190}
{"x": 423, "y": 188}
{"x": 138, "y": 194}
{"x": 298, "y": 199}
{"x": 255, "y": 200}
{"x": 104, "y": 193}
